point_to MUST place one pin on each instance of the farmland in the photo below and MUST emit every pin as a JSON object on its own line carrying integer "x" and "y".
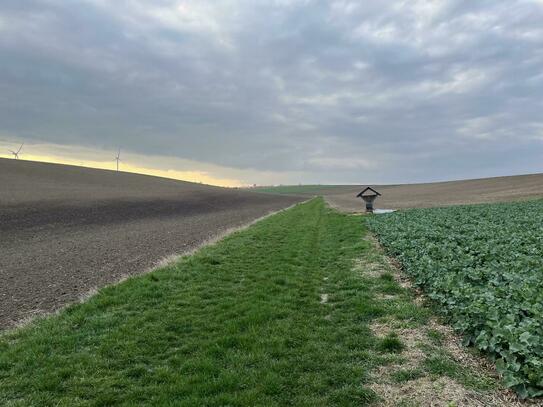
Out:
{"x": 299, "y": 309}
{"x": 66, "y": 231}
{"x": 483, "y": 267}
{"x": 310, "y": 190}
{"x": 435, "y": 194}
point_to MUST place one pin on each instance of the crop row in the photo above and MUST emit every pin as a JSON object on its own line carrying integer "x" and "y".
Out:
{"x": 483, "y": 267}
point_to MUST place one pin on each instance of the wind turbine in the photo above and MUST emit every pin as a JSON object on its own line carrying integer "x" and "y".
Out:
{"x": 118, "y": 158}
{"x": 16, "y": 153}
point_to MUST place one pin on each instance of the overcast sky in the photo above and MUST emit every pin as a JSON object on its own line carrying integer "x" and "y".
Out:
{"x": 282, "y": 91}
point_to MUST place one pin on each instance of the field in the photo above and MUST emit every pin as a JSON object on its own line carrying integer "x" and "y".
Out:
{"x": 485, "y": 190}
{"x": 483, "y": 267}
{"x": 300, "y": 309}
{"x": 66, "y": 231}
{"x": 309, "y": 190}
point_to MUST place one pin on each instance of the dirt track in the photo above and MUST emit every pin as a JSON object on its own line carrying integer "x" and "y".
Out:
{"x": 67, "y": 230}
{"x": 486, "y": 190}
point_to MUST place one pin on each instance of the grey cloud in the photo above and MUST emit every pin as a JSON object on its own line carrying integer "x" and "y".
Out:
{"x": 340, "y": 91}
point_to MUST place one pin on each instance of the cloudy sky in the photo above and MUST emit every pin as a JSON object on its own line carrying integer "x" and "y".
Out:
{"x": 277, "y": 91}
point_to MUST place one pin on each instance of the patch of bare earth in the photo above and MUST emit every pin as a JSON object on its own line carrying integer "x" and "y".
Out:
{"x": 425, "y": 389}
{"x": 485, "y": 190}
{"x": 429, "y": 390}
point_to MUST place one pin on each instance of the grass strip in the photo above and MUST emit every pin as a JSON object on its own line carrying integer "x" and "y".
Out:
{"x": 238, "y": 323}
{"x": 282, "y": 313}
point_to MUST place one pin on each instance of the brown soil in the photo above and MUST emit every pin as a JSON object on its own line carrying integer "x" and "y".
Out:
{"x": 65, "y": 231}
{"x": 485, "y": 190}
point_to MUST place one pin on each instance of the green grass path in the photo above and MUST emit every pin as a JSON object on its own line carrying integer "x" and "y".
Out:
{"x": 272, "y": 315}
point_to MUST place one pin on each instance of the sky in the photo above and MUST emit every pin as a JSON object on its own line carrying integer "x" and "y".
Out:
{"x": 278, "y": 91}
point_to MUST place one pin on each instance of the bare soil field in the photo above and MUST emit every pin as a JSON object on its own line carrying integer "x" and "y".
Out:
{"x": 65, "y": 230}
{"x": 485, "y": 190}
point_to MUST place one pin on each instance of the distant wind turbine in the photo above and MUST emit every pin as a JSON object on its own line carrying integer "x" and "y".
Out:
{"x": 16, "y": 153}
{"x": 118, "y": 158}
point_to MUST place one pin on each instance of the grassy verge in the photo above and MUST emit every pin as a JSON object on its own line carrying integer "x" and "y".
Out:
{"x": 299, "y": 309}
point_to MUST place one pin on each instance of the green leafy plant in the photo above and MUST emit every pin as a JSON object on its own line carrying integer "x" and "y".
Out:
{"x": 483, "y": 266}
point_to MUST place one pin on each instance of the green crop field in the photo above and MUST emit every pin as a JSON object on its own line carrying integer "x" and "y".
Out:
{"x": 483, "y": 265}
{"x": 299, "y": 309}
